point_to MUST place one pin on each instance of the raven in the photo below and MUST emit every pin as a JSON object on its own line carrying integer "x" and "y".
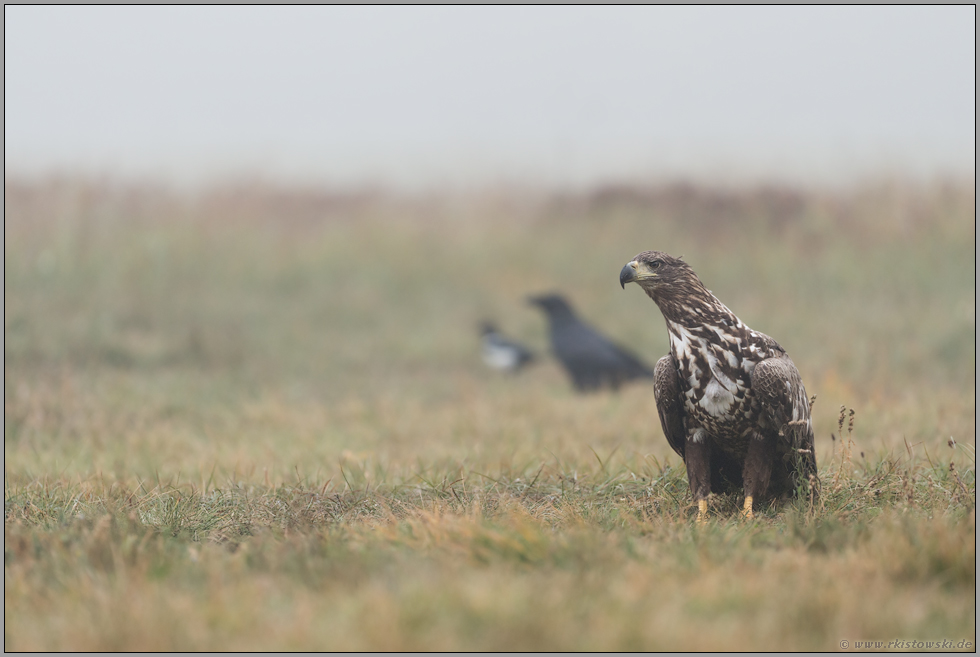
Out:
{"x": 731, "y": 402}
{"x": 500, "y": 353}
{"x": 591, "y": 360}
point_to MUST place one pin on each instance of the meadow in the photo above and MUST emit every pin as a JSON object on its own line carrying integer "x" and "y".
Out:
{"x": 255, "y": 418}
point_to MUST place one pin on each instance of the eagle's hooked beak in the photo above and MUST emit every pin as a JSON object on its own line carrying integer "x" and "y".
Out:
{"x": 628, "y": 274}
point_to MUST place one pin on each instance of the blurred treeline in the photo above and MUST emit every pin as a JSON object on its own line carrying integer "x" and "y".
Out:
{"x": 331, "y": 293}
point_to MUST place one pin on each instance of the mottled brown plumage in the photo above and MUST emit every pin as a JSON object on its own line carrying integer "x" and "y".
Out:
{"x": 730, "y": 400}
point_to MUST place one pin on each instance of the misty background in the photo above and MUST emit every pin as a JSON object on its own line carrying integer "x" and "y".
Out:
{"x": 430, "y": 97}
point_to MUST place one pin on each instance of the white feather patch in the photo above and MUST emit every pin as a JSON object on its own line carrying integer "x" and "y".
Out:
{"x": 717, "y": 399}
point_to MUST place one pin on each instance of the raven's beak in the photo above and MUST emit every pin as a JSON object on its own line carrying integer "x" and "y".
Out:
{"x": 628, "y": 274}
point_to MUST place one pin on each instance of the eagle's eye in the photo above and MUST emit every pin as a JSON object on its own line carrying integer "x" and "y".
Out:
{"x": 655, "y": 264}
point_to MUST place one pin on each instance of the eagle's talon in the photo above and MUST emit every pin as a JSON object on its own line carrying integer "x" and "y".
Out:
{"x": 702, "y": 512}
{"x": 747, "y": 508}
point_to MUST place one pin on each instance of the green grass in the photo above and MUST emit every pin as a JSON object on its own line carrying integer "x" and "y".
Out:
{"x": 256, "y": 419}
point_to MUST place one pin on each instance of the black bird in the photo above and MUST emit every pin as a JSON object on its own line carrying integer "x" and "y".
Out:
{"x": 501, "y": 353}
{"x": 591, "y": 360}
{"x": 731, "y": 402}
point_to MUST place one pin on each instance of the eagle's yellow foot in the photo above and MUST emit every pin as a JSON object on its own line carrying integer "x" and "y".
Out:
{"x": 747, "y": 508}
{"x": 702, "y": 512}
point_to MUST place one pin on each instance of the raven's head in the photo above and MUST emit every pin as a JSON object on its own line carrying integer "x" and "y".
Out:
{"x": 552, "y": 304}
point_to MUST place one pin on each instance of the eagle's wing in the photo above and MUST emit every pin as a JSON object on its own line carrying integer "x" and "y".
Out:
{"x": 786, "y": 408}
{"x": 667, "y": 390}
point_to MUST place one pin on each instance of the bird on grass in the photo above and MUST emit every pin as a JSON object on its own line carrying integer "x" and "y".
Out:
{"x": 731, "y": 402}
{"x": 502, "y": 353}
{"x": 591, "y": 360}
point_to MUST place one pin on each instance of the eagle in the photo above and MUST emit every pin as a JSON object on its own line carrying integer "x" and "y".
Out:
{"x": 731, "y": 402}
{"x": 590, "y": 359}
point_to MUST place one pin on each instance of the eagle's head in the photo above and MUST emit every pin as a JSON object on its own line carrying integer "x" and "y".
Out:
{"x": 656, "y": 271}
{"x": 669, "y": 281}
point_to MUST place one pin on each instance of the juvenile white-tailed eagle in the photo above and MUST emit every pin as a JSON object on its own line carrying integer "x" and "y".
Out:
{"x": 730, "y": 400}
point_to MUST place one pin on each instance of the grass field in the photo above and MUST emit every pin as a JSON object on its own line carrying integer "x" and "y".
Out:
{"x": 256, "y": 419}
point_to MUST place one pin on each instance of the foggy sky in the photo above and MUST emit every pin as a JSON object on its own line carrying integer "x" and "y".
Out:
{"x": 420, "y": 97}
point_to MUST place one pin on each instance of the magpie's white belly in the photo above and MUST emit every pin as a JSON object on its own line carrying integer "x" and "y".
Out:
{"x": 500, "y": 358}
